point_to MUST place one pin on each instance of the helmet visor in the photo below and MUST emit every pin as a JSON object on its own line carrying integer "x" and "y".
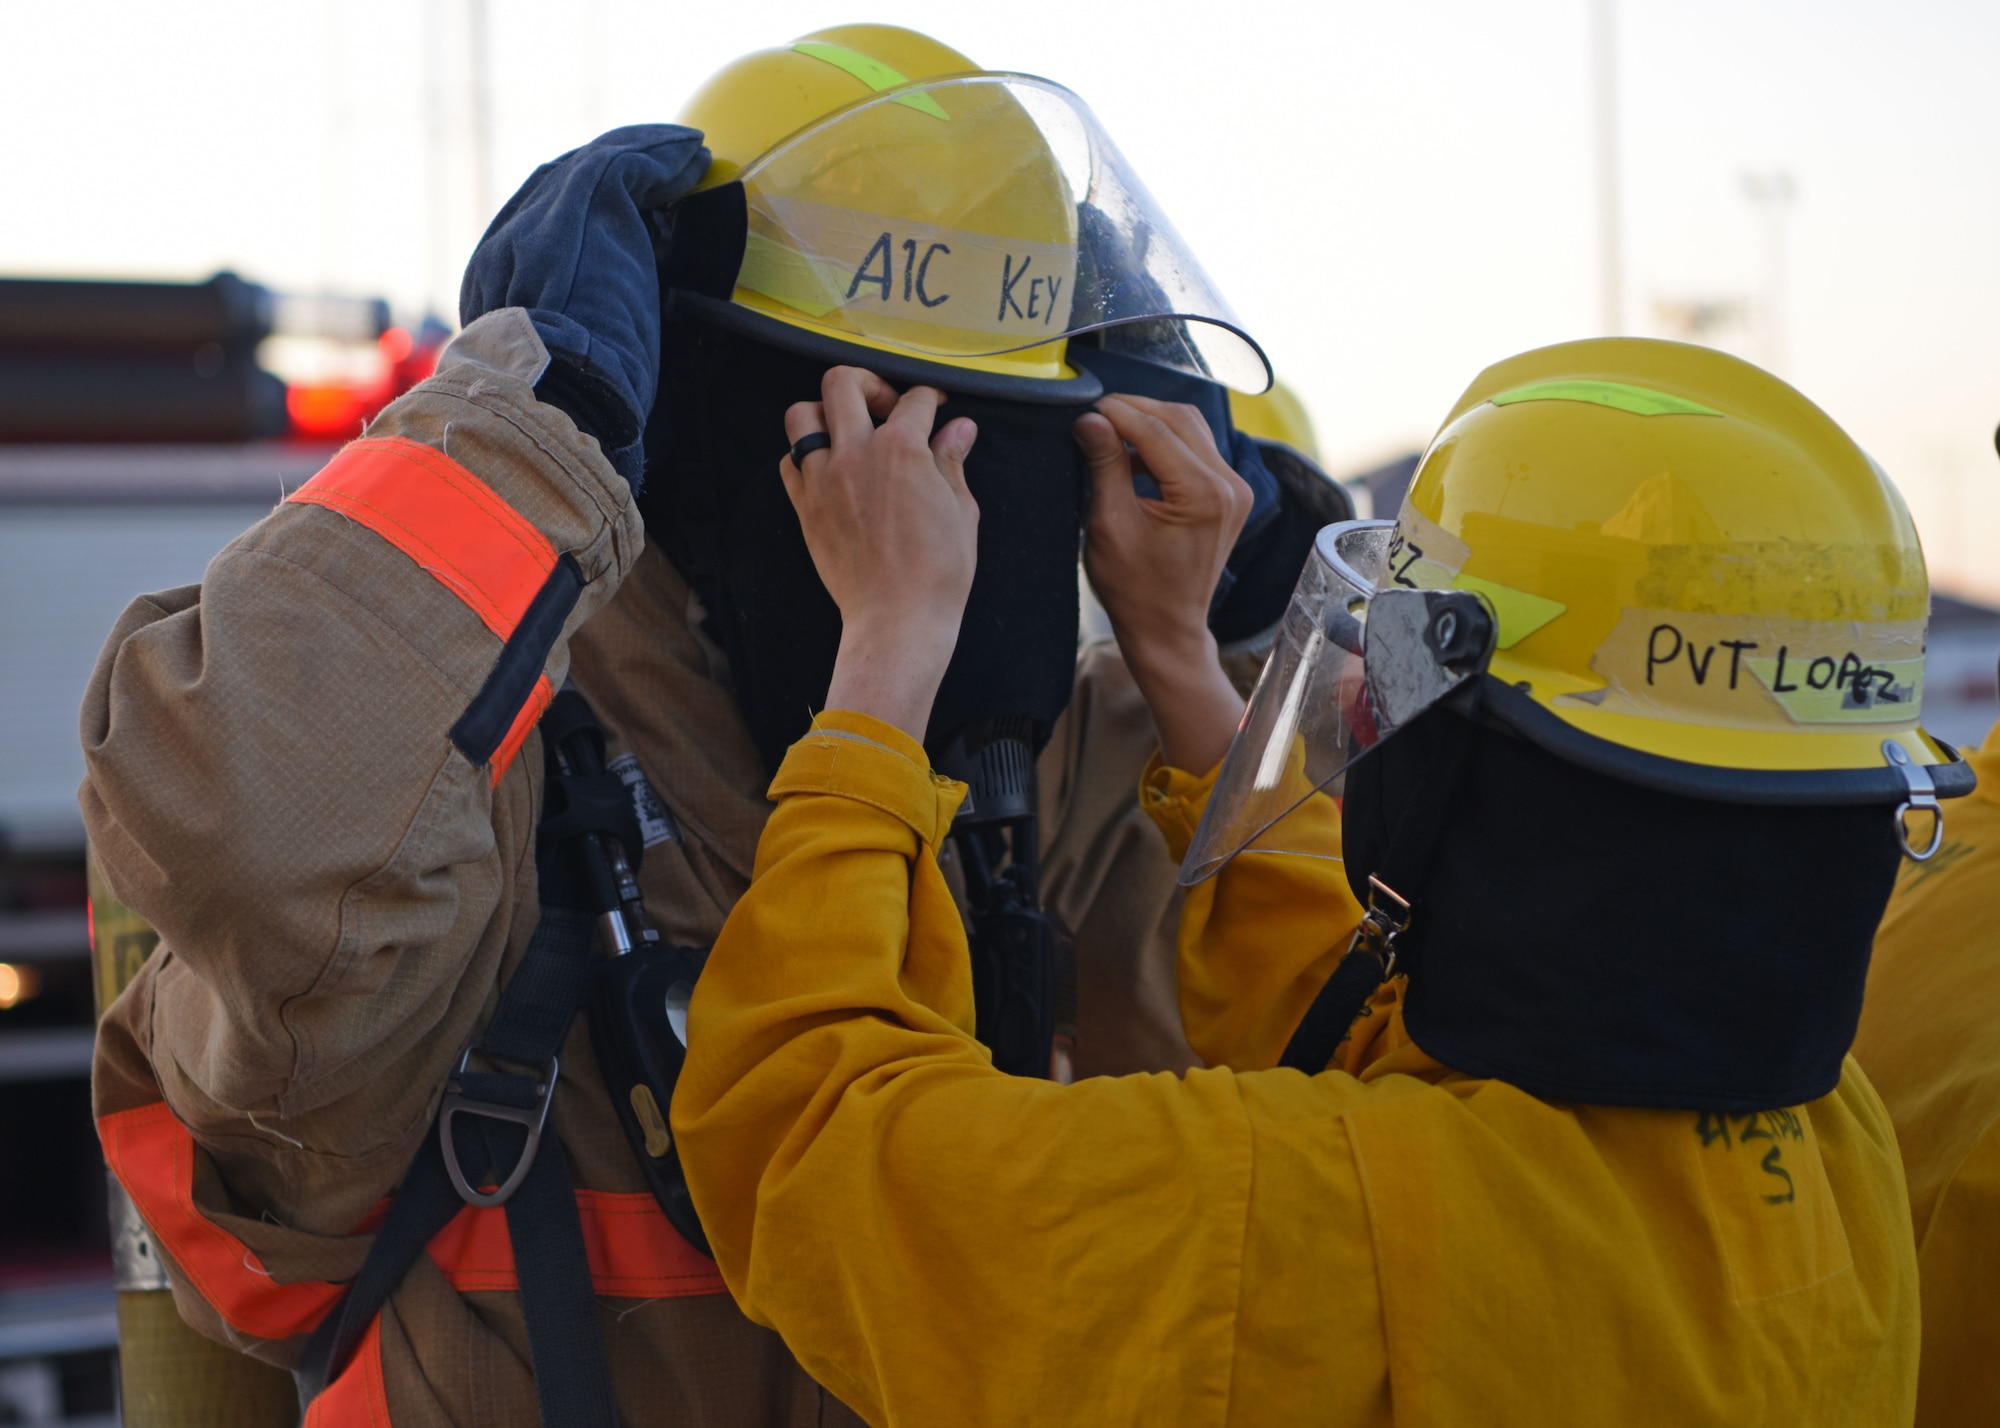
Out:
{"x": 1353, "y": 663}
{"x": 974, "y": 217}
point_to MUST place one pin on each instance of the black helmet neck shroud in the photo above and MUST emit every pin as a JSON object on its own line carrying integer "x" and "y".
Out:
{"x": 718, "y": 508}
{"x": 1592, "y": 940}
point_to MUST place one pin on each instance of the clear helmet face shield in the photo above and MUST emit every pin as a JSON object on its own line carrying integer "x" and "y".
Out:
{"x": 973, "y": 218}
{"x": 1353, "y": 663}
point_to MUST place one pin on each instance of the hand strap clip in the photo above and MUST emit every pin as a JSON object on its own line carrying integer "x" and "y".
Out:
{"x": 1381, "y": 926}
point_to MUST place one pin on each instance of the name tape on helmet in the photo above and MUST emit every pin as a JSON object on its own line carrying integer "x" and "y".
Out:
{"x": 1423, "y": 555}
{"x": 1750, "y": 672}
{"x": 1759, "y": 673}
{"x": 885, "y": 275}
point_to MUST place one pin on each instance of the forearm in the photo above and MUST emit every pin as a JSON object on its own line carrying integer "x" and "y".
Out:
{"x": 902, "y": 1213}
{"x": 1194, "y": 706}
{"x": 845, "y": 953}
{"x": 891, "y": 670}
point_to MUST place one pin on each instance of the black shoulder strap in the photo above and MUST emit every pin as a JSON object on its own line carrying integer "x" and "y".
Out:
{"x": 491, "y": 1130}
{"x": 424, "y": 1204}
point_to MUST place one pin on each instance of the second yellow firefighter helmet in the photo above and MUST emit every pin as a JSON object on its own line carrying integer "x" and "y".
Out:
{"x": 1686, "y": 557}
{"x": 903, "y": 200}
{"x": 1694, "y": 580}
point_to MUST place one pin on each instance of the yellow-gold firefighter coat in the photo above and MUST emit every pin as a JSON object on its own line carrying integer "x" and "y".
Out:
{"x": 1930, "y": 1038}
{"x": 1386, "y": 1242}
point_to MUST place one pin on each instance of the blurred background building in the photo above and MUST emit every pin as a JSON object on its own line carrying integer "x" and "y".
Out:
{"x": 234, "y": 230}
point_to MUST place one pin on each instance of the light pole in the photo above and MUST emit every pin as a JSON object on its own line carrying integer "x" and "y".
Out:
{"x": 479, "y": 45}
{"x": 438, "y": 289}
{"x": 1604, "y": 106}
{"x": 1772, "y": 195}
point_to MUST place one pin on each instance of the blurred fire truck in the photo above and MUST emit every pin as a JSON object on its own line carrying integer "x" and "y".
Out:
{"x": 142, "y": 427}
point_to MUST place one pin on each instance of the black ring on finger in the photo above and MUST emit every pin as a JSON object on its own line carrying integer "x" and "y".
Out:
{"x": 806, "y": 445}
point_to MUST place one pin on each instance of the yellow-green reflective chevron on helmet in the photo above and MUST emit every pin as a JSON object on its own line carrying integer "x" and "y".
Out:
{"x": 746, "y": 108}
{"x": 754, "y": 104}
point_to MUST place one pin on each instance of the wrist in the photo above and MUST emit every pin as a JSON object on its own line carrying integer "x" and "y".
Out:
{"x": 1166, "y": 656}
{"x": 913, "y": 641}
{"x": 891, "y": 671}
{"x": 1194, "y": 705}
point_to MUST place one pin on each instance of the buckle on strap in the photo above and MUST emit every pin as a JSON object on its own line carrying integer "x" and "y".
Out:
{"x": 1922, "y": 799}
{"x": 533, "y": 1116}
{"x": 1382, "y": 925}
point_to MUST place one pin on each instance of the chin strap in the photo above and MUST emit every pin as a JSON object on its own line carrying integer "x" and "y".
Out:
{"x": 1370, "y": 959}
{"x": 1369, "y": 962}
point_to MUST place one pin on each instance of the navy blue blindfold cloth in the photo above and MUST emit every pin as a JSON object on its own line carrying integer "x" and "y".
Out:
{"x": 1123, "y": 373}
{"x": 577, "y": 247}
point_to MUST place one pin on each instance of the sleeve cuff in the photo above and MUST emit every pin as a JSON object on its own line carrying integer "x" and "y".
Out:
{"x": 857, "y": 756}
{"x": 1174, "y": 799}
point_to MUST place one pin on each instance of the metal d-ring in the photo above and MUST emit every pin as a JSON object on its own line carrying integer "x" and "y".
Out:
{"x": 533, "y": 1117}
{"x": 1923, "y": 799}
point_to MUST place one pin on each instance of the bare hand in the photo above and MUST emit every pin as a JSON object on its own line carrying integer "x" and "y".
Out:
{"x": 893, "y": 532}
{"x": 1155, "y": 563}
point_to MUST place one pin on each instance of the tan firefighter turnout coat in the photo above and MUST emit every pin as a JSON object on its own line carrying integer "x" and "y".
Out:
{"x": 341, "y": 889}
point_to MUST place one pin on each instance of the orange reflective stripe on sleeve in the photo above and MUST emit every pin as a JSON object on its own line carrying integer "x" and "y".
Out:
{"x": 634, "y": 1252}
{"x": 489, "y": 555}
{"x": 152, "y": 1154}
{"x": 358, "y": 1398}
{"x": 531, "y": 713}
{"x": 444, "y": 518}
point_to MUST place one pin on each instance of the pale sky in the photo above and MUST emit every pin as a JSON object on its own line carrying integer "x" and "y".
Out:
{"x": 1392, "y": 195}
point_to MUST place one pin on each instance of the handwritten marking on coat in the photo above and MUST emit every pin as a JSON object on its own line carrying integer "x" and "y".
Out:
{"x": 1915, "y": 875}
{"x": 1772, "y": 1127}
{"x": 1774, "y": 1166}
